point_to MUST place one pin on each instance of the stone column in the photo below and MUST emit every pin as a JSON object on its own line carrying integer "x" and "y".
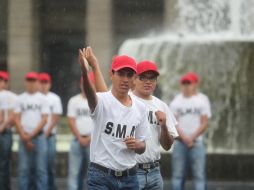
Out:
{"x": 171, "y": 14}
{"x": 23, "y": 42}
{"x": 99, "y": 31}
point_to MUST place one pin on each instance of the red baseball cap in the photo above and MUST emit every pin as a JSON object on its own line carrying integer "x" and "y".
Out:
{"x": 4, "y": 75}
{"x": 188, "y": 78}
{"x": 145, "y": 66}
{"x": 44, "y": 77}
{"x": 194, "y": 76}
{"x": 123, "y": 61}
{"x": 32, "y": 75}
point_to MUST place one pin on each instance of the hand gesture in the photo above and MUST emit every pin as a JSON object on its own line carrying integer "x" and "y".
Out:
{"x": 83, "y": 61}
{"x": 161, "y": 118}
{"x": 90, "y": 57}
{"x": 47, "y": 133}
{"x": 29, "y": 145}
{"x": 1, "y": 129}
{"x": 130, "y": 143}
{"x": 188, "y": 141}
{"x": 26, "y": 137}
{"x": 84, "y": 141}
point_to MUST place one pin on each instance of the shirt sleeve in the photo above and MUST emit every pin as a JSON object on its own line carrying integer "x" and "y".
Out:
{"x": 45, "y": 106}
{"x": 171, "y": 122}
{"x": 206, "y": 107}
{"x": 143, "y": 131}
{"x": 12, "y": 99}
{"x": 2, "y": 103}
{"x": 172, "y": 106}
{"x": 71, "y": 109}
{"x": 99, "y": 107}
{"x": 17, "y": 107}
{"x": 57, "y": 106}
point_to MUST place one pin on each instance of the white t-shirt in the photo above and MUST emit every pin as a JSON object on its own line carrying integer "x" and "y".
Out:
{"x": 7, "y": 102}
{"x": 55, "y": 107}
{"x": 31, "y": 107}
{"x": 152, "y": 152}
{"x": 113, "y": 123}
{"x": 78, "y": 109}
{"x": 8, "y": 98}
{"x": 188, "y": 111}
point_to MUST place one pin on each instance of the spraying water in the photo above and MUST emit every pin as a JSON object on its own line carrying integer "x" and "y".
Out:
{"x": 214, "y": 38}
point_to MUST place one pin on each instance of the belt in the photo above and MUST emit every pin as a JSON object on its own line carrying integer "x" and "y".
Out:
{"x": 40, "y": 133}
{"x": 52, "y": 134}
{"x": 116, "y": 173}
{"x": 7, "y": 130}
{"x": 150, "y": 165}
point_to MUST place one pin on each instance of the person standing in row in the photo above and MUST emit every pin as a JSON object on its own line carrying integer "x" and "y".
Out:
{"x": 162, "y": 124}
{"x": 50, "y": 129}
{"x": 120, "y": 127}
{"x": 7, "y": 103}
{"x": 81, "y": 126}
{"x": 31, "y": 113}
{"x": 192, "y": 110}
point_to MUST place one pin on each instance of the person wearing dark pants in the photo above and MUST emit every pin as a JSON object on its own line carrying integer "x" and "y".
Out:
{"x": 7, "y": 103}
{"x": 161, "y": 122}
{"x": 81, "y": 126}
{"x": 50, "y": 129}
{"x": 5, "y": 149}
{"x": 31, "y": 113}
{"x": 192, "y": 110}
{"x": 120, "y": 126}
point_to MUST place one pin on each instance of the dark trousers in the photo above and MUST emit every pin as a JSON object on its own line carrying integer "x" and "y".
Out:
{"x": 5, "y": 158}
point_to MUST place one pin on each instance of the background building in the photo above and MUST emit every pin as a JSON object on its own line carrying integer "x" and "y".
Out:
{"x": 44, "y": 35}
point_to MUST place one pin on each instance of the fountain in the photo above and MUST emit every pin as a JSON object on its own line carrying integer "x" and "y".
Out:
{"x": 214, "y": 38}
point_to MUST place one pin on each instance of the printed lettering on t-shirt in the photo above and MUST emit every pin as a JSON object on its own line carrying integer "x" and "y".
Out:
{"x": 152, "y": 118}
{"x": 119, "y": 130}
{"x": 186, "y": 111}
{"x": 30, "y": 107}
{"x": 82, "y": 112}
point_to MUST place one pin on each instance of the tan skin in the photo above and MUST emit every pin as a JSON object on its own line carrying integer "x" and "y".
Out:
{"x": 32, "y": 87}
{"x": 83, "y": 140}
{"x": 144, "y": 89}
{"x": 120, "y": 88}
{"x": 10, "y": 119}
{"x": 45, "y": 87}
{"x": 189, "y": 90}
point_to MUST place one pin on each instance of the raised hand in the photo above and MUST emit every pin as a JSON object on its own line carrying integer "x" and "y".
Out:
{"x": 91, "y": 59}
{"x": 84, "y": 66}
{"x": 161, "y": 118}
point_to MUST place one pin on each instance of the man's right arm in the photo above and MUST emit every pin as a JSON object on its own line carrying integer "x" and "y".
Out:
{"x": 99, "y": 81}
{"x": 88, "y": 89}
{"x": 19, "y": 126}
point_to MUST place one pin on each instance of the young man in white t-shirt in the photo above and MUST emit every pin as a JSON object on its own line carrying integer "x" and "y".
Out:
{"x": 81, "y": 126}
{"x": 7, "y": 102}
{"x": 120, "y": 128}
{"x": 161, "y": 122}
{"x": 31, "y": 114}
{"x": 50, "y": 129}
{"x": 192, "y": 110}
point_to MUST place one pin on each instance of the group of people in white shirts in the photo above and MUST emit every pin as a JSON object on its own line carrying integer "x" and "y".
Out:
{"x": 117, "y": 133}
